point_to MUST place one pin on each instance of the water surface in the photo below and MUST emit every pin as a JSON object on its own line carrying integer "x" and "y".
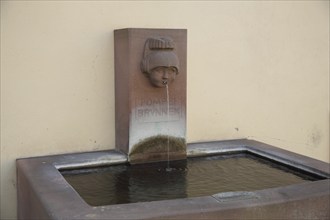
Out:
{"x": 194, "y": 177}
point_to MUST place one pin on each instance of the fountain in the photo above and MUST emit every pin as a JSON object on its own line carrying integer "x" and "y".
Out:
{"x": 153, "y": 173}
{"x": 147, "y": 62}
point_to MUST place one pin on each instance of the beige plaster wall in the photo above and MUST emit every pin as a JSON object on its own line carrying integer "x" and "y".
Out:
{"x": 256, "y": 70}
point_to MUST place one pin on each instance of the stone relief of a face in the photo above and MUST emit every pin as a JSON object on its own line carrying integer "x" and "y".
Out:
{"x": 160, "y": 63}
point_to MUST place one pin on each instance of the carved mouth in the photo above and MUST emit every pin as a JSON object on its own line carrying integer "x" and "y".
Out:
{"x": 164, "y": 82}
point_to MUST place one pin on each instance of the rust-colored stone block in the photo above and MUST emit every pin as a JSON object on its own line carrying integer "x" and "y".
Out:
{"x": 147, "y": 62}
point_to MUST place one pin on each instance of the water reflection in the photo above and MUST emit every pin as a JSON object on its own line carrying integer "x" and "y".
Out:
{"x": 120, "y": 184}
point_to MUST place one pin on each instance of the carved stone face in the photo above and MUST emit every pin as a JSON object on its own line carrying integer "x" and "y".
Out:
{"x": 162, "y": 75}
{"x": 160, "y": 62}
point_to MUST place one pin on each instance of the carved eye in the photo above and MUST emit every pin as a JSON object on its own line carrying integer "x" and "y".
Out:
{"x": 158, "y": 69}
{"x": 173, "y": 69}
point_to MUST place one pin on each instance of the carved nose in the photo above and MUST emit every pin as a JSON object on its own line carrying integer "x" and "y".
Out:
{"x": 165, "y": 75}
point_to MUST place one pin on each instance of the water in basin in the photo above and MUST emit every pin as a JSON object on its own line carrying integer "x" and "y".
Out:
{"x": 200, "y": 176}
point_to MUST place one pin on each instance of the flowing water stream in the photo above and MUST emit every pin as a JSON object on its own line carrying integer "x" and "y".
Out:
{"x": 168, "y": 169}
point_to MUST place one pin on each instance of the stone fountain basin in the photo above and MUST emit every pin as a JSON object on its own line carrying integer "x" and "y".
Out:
{"x": 43, "y": 193}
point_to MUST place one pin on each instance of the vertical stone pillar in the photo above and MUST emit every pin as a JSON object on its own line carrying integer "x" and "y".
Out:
{"x": 146, "y": 61}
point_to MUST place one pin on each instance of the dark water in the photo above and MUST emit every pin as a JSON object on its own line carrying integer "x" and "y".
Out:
{"x": 195, "y": 177}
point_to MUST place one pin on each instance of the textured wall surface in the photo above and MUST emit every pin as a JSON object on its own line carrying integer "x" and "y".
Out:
{"x": 256, "y": 70}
